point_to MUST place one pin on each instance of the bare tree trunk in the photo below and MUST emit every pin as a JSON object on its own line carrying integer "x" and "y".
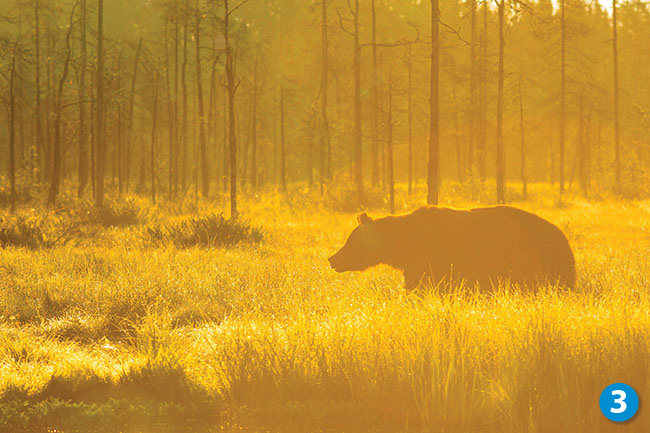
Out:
{"x": 473, "y": 89}
{"x": 226, "y": 157}
{"x": 57, "y": 154}
{"x": 325, "y": 168}
{"x": 410, "y": 120}
{"x": 83, "y": 158}
{"x": 459, "y": 152}
{"x": 184, "y": 134}
{"x": 358, "y": 156}
{"x": 254, "y": 125}
{"x": 40, "y": 145}
{"x": 617, "y": 147}
{"x": 129, "y": 140}
{"x": 523, "y": 143}
{"x": 170, "y": 114}
{"x": 391, "y": 176}
{"x": 203, "y": 152}
{"x": 482, "y": 138}
{"x": 93, "y": 135}
{"x": 434, "y": 113}
{"x": 154, "y": 121}
{"x": 212, "y": 113}
{"x": 562, "y": 93}
{"x": 99, "y": 132}
{"x": 501, "y": 196}
{"x": 119, "y": 158}
{"x": 12, "y": 128}
{"x": 230, "y": 74}
{"x": 283, "y": 168}
{"x": 375, "y": 102}
{"x": 174, "y": 168}
{"x": 581, "y": 143}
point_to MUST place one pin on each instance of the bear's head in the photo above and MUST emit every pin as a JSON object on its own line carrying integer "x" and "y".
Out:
{"x": 363, "y": 248}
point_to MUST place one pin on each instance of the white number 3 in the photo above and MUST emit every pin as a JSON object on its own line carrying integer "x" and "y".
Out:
{"x": 620, "y": 400}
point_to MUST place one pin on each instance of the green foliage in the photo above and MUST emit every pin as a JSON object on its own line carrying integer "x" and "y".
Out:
{"x": 212, "y": 230}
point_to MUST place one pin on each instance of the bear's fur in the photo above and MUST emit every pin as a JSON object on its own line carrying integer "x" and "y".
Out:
{"x": 484, "y": 245}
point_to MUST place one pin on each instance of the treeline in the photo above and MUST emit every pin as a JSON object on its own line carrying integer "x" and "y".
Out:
{"x": 189, "y": 98}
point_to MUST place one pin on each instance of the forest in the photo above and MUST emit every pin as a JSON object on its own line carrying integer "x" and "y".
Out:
{"x": 181, "y": 99}
{"x": 175, "y": 174}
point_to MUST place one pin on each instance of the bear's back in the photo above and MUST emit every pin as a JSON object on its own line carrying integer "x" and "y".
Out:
{"x": 500, "y": 241}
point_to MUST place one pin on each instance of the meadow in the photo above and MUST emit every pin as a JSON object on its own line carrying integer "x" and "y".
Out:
{"x": 140, "y": 319}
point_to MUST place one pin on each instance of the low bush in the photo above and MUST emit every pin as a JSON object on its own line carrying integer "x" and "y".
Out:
{"x": 212, "y": 230}
{"x": 32, "y": 230}
{"x": 123, "y": 212}
{"x": 347, "y": 200}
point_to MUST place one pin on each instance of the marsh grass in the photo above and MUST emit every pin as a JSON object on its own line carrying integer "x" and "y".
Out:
{"x": 118, "y": 334}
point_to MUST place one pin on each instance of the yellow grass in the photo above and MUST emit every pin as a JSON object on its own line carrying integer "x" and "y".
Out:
{"x": 112, "y": 332}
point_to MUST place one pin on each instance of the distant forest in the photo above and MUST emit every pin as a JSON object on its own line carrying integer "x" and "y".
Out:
{"x": 192, "y": 98}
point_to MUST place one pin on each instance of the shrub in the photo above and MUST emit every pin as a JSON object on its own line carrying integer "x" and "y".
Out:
{"x": 32, "y": 231}
{"x": 207, "y": 231}
{"x": 123, "y": 212}
{"x": 347, "y": 200}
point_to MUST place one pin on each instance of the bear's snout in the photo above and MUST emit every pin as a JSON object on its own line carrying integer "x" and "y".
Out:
{"x": 335, "y": 263}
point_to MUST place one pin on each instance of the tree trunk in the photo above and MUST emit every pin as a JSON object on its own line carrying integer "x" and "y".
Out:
{"x": 324, "y": 132}
{"x": 57, "y": 156}
{"x": 154, "y": 121}
{"x": 203, "y": 152}
{"x": 129, "y": 140}
{"x": 83, "y": 158}
{"x": 358, "y": 156}
{"x": 434, "y": 112}
{"x": 617, "y": 148}
{"x": 184, "y": 135}
{"x": 174, "y": 161}
{"x": 225, "y": 155}
{"x": 501, "y": 196}
{"x": 391, "y": 177}
{"x": 170, "y": 115}
{"x": 40, "y": 144}
{"x": 410, "y": 121}
{"x": 230, "y": 74}
{"x": 374, "y": 110}
{"x": 12, "y": 128}
{"x": 523, "y": 143}
{"x": 473, "y": 89}
{"x": 99, "y": 132}
{"x": 254, "y": 125}
{"x": 482, "y": 138}
{"x": 459, "y": 152}
{"x": 283, "y": 168}
{"x": 562, "y": 93}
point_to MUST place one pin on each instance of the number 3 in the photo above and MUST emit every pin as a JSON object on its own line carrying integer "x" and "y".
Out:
{"x": 621, "y": 401}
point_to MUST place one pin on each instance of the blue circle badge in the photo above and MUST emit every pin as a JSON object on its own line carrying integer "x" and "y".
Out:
{"x": 619, "y": 402}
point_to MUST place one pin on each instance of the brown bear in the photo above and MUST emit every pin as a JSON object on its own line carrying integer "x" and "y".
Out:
{"x": 484, "y": 245}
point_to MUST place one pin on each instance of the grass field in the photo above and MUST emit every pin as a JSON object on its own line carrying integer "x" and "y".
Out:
{"x": 107, "y": 325}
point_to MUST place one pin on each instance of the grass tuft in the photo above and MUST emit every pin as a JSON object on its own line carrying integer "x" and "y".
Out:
{"x": 212, "y": 230}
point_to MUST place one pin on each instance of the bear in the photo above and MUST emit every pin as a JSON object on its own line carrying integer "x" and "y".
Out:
{"x": 483, "y": 246}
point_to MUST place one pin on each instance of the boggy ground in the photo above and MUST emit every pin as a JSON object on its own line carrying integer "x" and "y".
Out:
{"x": 107, "y": 327}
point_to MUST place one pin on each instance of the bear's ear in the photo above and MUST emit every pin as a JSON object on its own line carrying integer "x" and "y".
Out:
{"x": 363, "y": 218}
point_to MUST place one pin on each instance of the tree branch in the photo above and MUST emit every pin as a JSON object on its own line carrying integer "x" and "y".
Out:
{"x": 341, "y": 23}
{"x": 454, "y": 31}
{"x": 231, "y": 11}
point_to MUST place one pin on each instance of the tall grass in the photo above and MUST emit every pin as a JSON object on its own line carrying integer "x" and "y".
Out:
{"x": 118, "y": 334}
